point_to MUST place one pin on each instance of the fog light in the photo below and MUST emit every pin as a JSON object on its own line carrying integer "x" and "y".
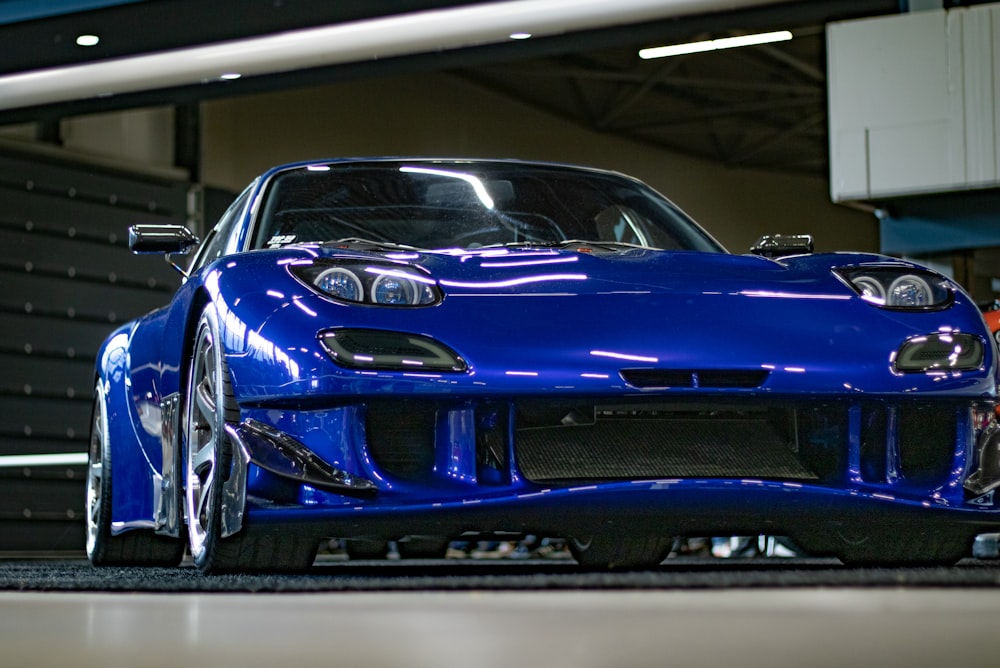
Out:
{"x": 940, "y": 352}
{"x": 390, "y": 351}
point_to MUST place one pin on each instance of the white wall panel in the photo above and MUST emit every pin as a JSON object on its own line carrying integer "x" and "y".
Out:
{"x": 979, "y": 72}
{"x": 910, "y": 158}
{"x": 922, "y": 90}
{"x": 849, "y": 151}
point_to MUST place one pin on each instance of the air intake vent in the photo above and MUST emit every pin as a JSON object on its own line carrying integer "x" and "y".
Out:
{"x": 636, "y": 448}
{"x": 400, "y": 437}
{"x": 705, "y": 378}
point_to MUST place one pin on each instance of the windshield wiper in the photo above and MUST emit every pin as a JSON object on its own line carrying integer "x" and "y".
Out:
{"x": 605, "y": 245}
{"x": 360, "y": 243}
{"x": 525, "y": 244}
{"x": 569, "y": 243}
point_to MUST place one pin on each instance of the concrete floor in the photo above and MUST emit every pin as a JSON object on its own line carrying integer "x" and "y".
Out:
{"x": 743, "y": 628}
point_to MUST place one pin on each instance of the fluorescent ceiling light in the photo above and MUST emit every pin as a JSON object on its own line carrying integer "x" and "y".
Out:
{"x": 357, "y": 41}
{"x": 67, "y": 459}
{"x": 715, "y": 44}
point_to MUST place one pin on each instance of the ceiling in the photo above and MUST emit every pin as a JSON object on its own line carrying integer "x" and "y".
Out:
{"x": 761, "y": 107}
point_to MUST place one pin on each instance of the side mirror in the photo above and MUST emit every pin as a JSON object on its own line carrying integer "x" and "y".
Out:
{"x": 780, "y": 245}
{"x": 161, "y": 239}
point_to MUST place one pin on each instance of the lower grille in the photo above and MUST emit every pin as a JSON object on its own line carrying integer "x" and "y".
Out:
{"x": 623, "y": 449}
{"x": 576, "y": 440}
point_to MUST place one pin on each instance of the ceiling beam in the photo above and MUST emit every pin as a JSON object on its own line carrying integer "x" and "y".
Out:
{"x": 627, "y": 98}
{"x": 810, "y": 121}
{"x": 354, "y": 41}
{"x": 745, "y": 109}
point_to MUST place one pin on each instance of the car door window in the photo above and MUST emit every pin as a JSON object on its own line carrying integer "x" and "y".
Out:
{"x": 217, "y": 240}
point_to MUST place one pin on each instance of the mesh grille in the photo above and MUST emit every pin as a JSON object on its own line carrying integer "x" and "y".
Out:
{"x": 926, "y": 443}
{"x": 643, "y": 438}
{"x": 400, "y": 438}
{"x": 676, "y": 447}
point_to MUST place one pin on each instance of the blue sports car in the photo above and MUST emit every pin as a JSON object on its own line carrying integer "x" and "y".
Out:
{"x": 425, "y": 350}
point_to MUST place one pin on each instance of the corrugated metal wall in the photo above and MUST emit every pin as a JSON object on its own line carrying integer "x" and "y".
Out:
{"x": 66, "y": 280}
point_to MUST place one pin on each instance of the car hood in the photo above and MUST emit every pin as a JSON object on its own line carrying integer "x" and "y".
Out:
{"x": 591, "y": 270}
{"x": 567, "y": 315}
{"x": 585, "y": 271}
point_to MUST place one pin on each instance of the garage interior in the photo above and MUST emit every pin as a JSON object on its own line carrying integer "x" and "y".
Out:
{"x": 874, "y": 128}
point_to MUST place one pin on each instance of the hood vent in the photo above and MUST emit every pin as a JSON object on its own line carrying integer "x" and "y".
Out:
{"x": 705, "y": 378}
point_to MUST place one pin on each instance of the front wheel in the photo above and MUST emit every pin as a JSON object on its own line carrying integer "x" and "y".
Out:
{"x": 208, "y": 457}
{"x": 139, "y": 547}
{"x": 207, "y": 452}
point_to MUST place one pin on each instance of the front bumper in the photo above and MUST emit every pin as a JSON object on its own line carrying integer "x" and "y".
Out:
{"x": 415, "y": 455}
{"x": 662, "y": 507}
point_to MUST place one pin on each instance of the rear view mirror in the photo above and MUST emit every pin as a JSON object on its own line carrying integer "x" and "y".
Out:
{"x": 160, "y": 239}
{"x": 780, "y": 245}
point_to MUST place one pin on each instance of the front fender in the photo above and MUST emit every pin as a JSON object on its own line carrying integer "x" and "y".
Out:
{"x": 132, "y": 475}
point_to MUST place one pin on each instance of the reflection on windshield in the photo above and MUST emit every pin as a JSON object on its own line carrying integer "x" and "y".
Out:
{"x": 477, "y": 184}
{"x": 468, "y": 205}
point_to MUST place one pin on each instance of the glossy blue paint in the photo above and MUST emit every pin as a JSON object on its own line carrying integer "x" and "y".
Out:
{"x": 562, "y": 325}
{"x": 832, "y": 338}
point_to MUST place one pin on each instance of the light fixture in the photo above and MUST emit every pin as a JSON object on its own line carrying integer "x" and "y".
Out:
{"x": 87, "y": 40}
{"x": 379, "y": 38}
{"x": 520, "y": 35}
{"x": 715, "y": 44}
{"x": 56, "y": 459}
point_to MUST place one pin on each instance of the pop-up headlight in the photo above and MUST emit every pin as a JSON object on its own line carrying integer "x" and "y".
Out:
{"x": 903, "y": 288}
{"x": 376, "y": 283}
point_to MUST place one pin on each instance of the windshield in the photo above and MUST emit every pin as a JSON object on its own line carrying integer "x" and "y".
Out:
{"x": 458, "y": 204}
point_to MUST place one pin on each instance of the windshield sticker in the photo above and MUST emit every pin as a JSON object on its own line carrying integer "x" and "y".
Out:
{"x": 279, "y": 240}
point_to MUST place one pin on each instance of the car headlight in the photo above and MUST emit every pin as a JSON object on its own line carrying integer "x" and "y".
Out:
{"x": 397, "y": 290}
{"x": 376, "y": 283}
{"x": 904, "y": 288}
{"x": 341, "y": 283}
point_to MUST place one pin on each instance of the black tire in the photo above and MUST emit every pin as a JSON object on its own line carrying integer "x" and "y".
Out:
{"x": 365, "y": 549}
{"x": 891, "y": 546}
{"x": 422, "y": 547}
{"x": 208, "y": 459}
{"x": 606, "y": 553}
{"x": 138, "y": 547}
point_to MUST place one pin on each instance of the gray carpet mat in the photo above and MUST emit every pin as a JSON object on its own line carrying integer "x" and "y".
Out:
{"x": 449, "y": 575}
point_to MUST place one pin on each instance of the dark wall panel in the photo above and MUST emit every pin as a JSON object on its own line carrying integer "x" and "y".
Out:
{"x": 68, "y": 279}
{"x": 48, "y": 376}
{"x": 26, "y": 333}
